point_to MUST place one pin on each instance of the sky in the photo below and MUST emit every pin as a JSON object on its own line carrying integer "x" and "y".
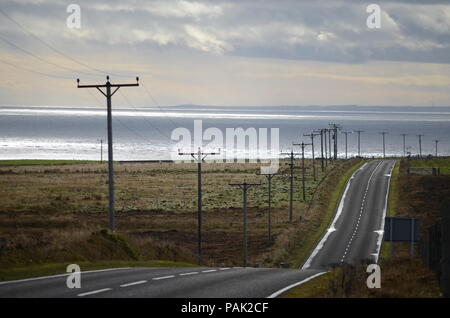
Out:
{"x": 230, "y": 53}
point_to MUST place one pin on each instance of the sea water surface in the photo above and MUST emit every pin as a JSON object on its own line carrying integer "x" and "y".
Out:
{"x": 145, "y": 133}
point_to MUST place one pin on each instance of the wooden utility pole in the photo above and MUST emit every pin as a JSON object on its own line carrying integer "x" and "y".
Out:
{"x": 420, "y": 145}
{"x": 404, "y": 144}
{"x": 436, "y": 144}
{"x": 108, "y": 94}
{"x": 199, "y": 156}
{"x": 244, "y": 186}
{"x": 312, "y": 135}
{"x": 359, "y": 141}
{"x": 269, "y": 177}
{"x": 383, "y": 133}
{"x": 303, "y": 145}
{"x": 320, "y": 132}
{"x": 346, "y": 139}
{"x": 291, "y": 183}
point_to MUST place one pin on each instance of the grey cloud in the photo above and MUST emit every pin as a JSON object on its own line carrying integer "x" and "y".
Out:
{"x": 322, "y": 31}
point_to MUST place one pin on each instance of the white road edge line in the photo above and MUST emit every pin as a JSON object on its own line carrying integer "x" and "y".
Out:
{"x": 331, "y": 227}
{"x": 134, "y": 283}
{"x": 357, "y": 224}
{"x": 381, "y": 231}
{"x": 283, "y": 290}
{"x": 60, "y": 275}
{"x": 163, "y": 277}
{"x": 94, "y": 292}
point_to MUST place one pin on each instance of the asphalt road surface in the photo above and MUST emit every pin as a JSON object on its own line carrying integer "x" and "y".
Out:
{"x": 355, "y": 235}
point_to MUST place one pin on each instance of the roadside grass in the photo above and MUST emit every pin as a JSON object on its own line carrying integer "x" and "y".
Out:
{"x": 441, "y": 162}
{"x": 60, "y": 268}
{"x": 54, "y": 214}
{"x": 391, "y": 206}
{"x": 401, "y": 276}
{"x": 350, "y": 282}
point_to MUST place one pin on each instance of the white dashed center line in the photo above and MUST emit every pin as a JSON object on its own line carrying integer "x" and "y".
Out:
{"x": 360, "y": 214}
{"x": 163, "y": 277}
{"x": 134, "y": 283}
{"x": 190, "y": 273}
{"x": 94, "y": 292}
{"x": 209, "y": 271}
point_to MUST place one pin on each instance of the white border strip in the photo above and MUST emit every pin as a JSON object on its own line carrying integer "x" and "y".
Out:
{"x": 60, "y": 275}
{"x": 331, "y": 228}
{"x": 281, "y": 291}
{"x": 381, "y": 231}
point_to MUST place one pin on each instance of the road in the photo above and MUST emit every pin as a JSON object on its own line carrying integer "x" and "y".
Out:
{"x": 355, "y": 235}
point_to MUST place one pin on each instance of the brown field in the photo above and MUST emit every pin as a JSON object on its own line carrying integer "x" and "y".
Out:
{"x": 52, "y": 214}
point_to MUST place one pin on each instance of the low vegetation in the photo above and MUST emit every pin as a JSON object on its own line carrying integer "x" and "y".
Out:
{"x": 56, "y": 214}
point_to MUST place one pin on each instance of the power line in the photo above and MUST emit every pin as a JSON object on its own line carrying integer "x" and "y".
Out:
{"x": 157, "y": 104}
{"x": 35, "y": 72}
{"x": 40, "y": 58}
{"x": 55, "y": 49}
{"x": 143, "y": 117}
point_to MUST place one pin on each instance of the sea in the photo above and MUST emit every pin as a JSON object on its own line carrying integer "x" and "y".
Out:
{"x": 141, "y": 134}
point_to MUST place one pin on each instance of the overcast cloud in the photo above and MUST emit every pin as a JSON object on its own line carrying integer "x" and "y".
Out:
{"x": 203, "y": 41}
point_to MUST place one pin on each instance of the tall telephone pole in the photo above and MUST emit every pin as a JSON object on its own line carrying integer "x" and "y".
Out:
{"x": 436, "y": 142}
{"x": 303, "y": 145}
{"x": 346, "y": 137}
{"x": 325, "y": 131}
{"x": 101, "y": 150}
{"x": 244, "y": 186}
{"x": 329, "y": 144}
{"x": 291, "y": 181}
{"x": 334, "y": 128}
{"x": 269, "y": 177}
{"x": 199, "y": 156}
{"x": 320, "y": 132}
{"x": 108, "y": 96}
{"x": 404, "y": 144}
{"x": 359, "y": 141}
{"x": 383, "y": 133}
{"x": 312, "y": 135}
{"x": 420, "y": 145}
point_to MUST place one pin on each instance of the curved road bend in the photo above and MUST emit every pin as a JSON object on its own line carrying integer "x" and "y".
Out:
{"x": 354, "y": 235}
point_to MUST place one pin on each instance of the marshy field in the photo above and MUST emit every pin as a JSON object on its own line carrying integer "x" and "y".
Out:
{"x": 56, "y": 212}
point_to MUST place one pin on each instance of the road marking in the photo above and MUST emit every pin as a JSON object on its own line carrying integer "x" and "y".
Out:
{"x": 94, "y": 292}
{"x": 60, "y": 275}
{"x": 134, "y": 283}
{"x": 163, "y": 277}
{"x": 283, "y": 290}
{"x": 361, "y": 211}
{"x": 332, "y": 226}
{"x": 209, "y": 271}
{"x": 381, "y": 231}
{"x": 190, "y": 273}
{"x": 224, "y": 269}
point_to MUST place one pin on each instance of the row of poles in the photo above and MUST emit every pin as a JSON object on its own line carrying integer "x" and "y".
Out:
{"x": 328, "y": 152}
